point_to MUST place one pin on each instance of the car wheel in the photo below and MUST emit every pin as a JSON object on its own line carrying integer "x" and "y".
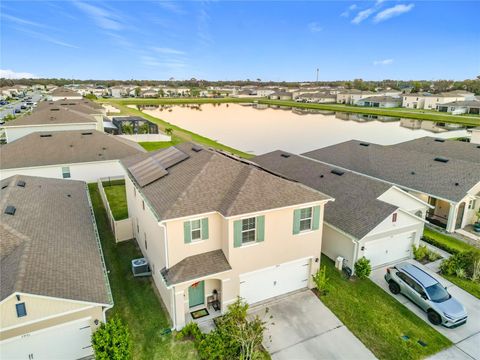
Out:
{"x": 434, "y": 318}
{"x": 394, "y": 287}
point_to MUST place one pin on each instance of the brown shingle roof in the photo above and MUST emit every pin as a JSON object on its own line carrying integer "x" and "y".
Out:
{"x": 49, "y": 246}
{"x": 210, "y": 181}
{"x": 52, "y": 116}
{"x": 65, "y": 147}
{"x": 61, "y": 91}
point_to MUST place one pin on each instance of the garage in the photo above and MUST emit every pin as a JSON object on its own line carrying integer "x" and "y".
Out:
{"x": 274, "y": 281}
{"x": 67, "y": 341}
{"x": 389, "y": 249}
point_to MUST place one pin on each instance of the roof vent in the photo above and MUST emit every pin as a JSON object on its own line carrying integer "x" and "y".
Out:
{"x": 21, "y": 183}
{"x": 285, "y": 155}
{"x": 337, "y": 172}
{"x": 456, "y": 184}
{"x": 4, "y": 186}
{"x": 321, "y": 176}
{"x": 364, "y": 144}
{"x": 55, "y": 109}
{"x": 87, "y": 133}
{"x": 197, "y": 148}
{"x": 440, "y": 140}
{"x": 441, "y": 159}
{"x": 46, "y": 135}
{"x": 413, "y": 172}
{"x": 478, "y": 146}
{"x": 10, "y": 210}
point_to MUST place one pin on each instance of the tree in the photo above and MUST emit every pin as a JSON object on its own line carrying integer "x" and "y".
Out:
{"x": 90, "y": 96}
{"x": 321, "y": 280}
{"x": 127, "y": 129}
{"x": 138, "y": 91}
{"x": 169, "y": 131}
{"x": 111, "y": 341}
{"x": 144, "y": 129}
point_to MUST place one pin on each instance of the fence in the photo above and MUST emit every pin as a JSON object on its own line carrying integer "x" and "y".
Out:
{"x": 122, "y": 229}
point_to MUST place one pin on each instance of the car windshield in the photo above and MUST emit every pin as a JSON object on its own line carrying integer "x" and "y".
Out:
{"x": 437, "y": 293}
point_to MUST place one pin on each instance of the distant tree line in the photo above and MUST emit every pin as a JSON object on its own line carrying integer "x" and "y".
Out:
{"x": 435, "y": 86}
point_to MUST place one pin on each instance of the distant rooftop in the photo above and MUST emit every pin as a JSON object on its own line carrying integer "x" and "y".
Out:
{"x": 52, "y": 116}
{"x": 62, "y": 91}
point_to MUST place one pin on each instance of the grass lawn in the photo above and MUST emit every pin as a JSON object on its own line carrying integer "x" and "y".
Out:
{"x": 467, "y": 285}
{"x": 379, "y": 320}
{"x": 135, "y": 301}
{"x": 446, "y": 242}
{"x": 155, "y": 145}
{"x": 117, "y": 198}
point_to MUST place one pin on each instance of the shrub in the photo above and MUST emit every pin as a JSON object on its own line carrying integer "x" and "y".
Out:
{"x": 363, "y": 268}
{"x": 464, "y": 260}
{"x": 321, "y": 280}
{"x": 420, "y": 253}
{"x": 476, "y": 271}
{"x": 460, "y": 273}
{"x": 439, "y": 244}
{"x": 111, "y": 341}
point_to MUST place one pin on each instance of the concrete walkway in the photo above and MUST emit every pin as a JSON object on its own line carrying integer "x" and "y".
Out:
{"x": 304, "y": 328}
{"x": 466, "y": 338}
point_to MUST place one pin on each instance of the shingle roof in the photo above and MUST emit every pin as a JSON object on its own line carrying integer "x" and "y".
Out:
{"x": 382, "y": 99}
{"x": 409, "y": 169}
{"x": 447, "y": 148}
{"x": 49, "y": 246}
{"x": 52, "y": 116}
{"x": 467, "y": 103}
{"x": 61, "y": 91}
{"x": 65, "y": 147}
{"x": 355, "y": 210}
{"x": 74, "y": 104}
{"x": 210, "y": 181}
{"x": 196, "y": 266}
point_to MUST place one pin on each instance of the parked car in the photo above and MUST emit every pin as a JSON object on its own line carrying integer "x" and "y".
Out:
{"x": 427, "y": 293}
{"x": 17, "y": 111}
{"x": 23, "y": 107}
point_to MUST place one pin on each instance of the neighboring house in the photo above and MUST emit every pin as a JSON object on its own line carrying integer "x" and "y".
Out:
{"x": 54, "y": 285}
{"x": 76, "y": 155}
{"x": 460, "y": 107}
{"x": 84, "y": 106}
{"x": 150, "y": 94}
{"x": 64, "y": 93}
{"x": 119, "y": 91}
{"x": 210, "y": 223}
{"x": 51, "y": 119}
{"x": 430, "y": 101}
{"x": 451, "y": 185}
{"x": 350, "y": 97}
{"x": 368, "y": 218}
{"x": 414, "y": 100}
{"x": 320, "y": 98}
{"x": 380, "y": 101}
{"x": 260, "y": 92}
{"x": 281, "y": 95}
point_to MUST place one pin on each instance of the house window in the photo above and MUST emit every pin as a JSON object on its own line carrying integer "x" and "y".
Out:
{"x": 249, "y": 230}
{"x": 66, "y": 172}
{"x": 21, "y": 310}
{"x": 471, "y": 204}
{"x": 306, "y": 219}
{"x": 196, "y": 229}
{"x": 394, "y": 217}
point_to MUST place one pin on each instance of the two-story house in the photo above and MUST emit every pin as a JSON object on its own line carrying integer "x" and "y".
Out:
{"x": 215, "y": 227}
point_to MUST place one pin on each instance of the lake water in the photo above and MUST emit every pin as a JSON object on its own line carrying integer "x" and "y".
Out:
{"x": 260, "y": 128}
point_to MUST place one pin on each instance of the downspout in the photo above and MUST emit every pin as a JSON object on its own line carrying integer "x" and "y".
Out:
{"x": 174, "y": 301}
{"x": 165, "y": 243}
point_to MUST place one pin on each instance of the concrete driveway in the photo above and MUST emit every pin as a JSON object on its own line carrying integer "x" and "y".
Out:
{"x": 466, "y": 337}
{"x": 304, "y": 328}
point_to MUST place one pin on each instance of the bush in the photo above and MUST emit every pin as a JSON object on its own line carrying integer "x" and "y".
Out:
{"x": 111, "y": 341}
{"x": 464, "y": 260}
{"x": 423, "y": 254}
{"x": 363, "y": 268}
{"x": 321, "y": 280}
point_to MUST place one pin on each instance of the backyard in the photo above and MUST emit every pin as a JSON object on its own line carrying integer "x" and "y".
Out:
{"x": 135, "y": 300}
{"x": 117, "y": 198}
{"x": 385, "y": 326}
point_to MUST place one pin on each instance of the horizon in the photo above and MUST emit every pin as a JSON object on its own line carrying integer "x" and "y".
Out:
{"x": 228, "y": 41}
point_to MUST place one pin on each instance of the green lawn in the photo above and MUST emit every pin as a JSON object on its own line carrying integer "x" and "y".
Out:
{"x": 117, "y": 198}
{"x": 135, "y": 300}
{"x": 155, "y": 145}
{"x": 378, "y": 319}
{"x": 446, "y": 242}
{"x": 467, "y": 285}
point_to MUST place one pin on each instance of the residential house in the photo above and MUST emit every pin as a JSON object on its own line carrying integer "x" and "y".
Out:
{"x": 350, "y": 97}
{"x": 461, "y": 107}
{"x": 319, "y": 98}
{"x": 76, "y": 155}
{"x": 369, "y": 218}
{"x": 430, "y": 101}
{"x": 215, "y": 227}
{"x": 54, "y": 286}
{"x": 119, "y": 91}
{"x": 439, "y": 173}
{"x": 281, "y": 95}
{"x": 380, "y": 101}
{"x": 64, "y": 93}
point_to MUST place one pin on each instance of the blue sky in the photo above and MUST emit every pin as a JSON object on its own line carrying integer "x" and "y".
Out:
{"x": 228, "y": 40}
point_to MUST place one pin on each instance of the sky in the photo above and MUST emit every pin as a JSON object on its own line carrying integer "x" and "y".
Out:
{"x": 238, "y": 40}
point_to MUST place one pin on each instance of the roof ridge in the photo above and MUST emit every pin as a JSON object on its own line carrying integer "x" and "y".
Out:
{"x": 237, "y": 187}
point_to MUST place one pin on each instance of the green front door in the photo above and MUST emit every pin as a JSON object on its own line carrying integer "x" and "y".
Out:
{"x": 196, "y": 294}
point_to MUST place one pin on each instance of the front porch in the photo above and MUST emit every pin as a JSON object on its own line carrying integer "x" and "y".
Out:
{"x": 454, "y": 217}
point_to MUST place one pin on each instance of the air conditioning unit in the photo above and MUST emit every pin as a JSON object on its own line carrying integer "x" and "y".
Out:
{"x": 140, "y": 267}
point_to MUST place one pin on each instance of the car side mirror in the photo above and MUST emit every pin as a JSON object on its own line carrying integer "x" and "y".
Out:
{"x": 424, "y": 296}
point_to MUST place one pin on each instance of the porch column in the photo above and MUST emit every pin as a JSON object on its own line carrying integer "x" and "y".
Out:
{"x": 179, "y": 300}
{"x": 452, "y": 218}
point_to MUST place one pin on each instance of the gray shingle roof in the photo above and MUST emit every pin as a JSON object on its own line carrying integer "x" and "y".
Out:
{"x": 61, "y": 91}
{"x": 409, "y": 169}
{"x": 210, "y": 181}
{"x": 52, "y": 116}
{"x": 196, "y": 266}
{"x": 49, "y": 247}
{"x": 65, "y": 147}
{"x": 355, "y": 210}
{"x": 447, "y": 148}
{"x": 84, "y": 106}
{"x": 382, "y": 99}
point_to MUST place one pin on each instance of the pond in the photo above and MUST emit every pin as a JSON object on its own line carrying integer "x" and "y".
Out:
{"x": 259, "y": 128}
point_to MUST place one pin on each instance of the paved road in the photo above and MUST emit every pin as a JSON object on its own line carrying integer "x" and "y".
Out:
{"x": 466, "y": 338}
{"x": 4, "y": 110}
{"x": 304, "y": 328}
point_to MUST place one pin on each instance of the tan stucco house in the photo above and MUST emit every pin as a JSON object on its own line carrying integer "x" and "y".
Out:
{"x": 54, "y": 288}
{"x": 214, "y": 227}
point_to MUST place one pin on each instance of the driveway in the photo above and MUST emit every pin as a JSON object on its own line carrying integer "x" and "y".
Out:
{"x": 304, "y": 328}
{"x": 466, "y": 338}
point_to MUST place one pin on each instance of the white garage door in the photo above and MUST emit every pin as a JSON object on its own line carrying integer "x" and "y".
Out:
{"x": 389, "y": 249}
{"x": 62, "y": 342}
{"x": 274, "y": 281}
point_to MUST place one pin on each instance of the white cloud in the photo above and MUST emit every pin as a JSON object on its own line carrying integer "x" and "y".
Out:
{"x": 314, "y": 27}
{"x": 102, "y": 17}
{"x": 168, "y": 51}
{"x": 352, "y": 7}
{"x": 392, "y": 12}
{"x": 10, "y": 74}
{"x": 363, "y": 15}
{"x": 20, "y": 21}
{"x": 346, "y": 13}
{"x": 170, "y": 6}
{"x": 40, "y": 36}
{"x": 383, "y": 62}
